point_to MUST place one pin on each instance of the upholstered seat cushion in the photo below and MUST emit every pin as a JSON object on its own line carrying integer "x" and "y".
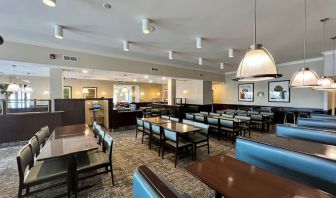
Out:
{"x": 156, "y": 136}
{"x": 140, "y": 128}
{"x": 181, "y": 143}
{"x": 91, "y": 160}
{"x": 197, "y": 138}
{"x": 45, "y": 170}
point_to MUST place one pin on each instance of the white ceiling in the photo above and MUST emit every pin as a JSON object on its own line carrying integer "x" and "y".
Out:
{"x": 223, "y": 24}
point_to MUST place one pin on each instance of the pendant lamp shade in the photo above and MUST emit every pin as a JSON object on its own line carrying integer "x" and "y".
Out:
{"x": 325, "y": 84}
{"x": 13, "y": 87}
{"x": 28, "y": 90}
{"x": 257, "y": 64}
{"x": 304, "y": 78}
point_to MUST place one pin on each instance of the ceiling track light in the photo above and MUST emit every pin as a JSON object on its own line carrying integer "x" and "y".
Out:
{"x": 222, "y": 66}
{"x": 199, "y": 42}
{"x": 147, "y": 27}
{"x": 50, "y": 3}
{"x": 304, "y": 78}
{"x": 171, "y": 55}
{"x": 231, "y": 50}
{"x": 258, "y": 63}
{"x": 58, "y": 32}
{"x": 126, "y": 46}
{"x": 200, "y": 61}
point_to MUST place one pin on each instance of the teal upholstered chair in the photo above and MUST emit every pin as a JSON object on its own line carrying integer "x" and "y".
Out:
{"x": 200, "y": 138}
{"x": 214, "y": 125}
{"x": 214, "y": 114}
{"x": 156, "y": 135}
{"x": 189, "y": 122}
{"x": 34, "y": 146}
{"x": 199, "y": 118}
{"x": 146, "y": 131}
{"x": 170, "y": 139}
{"x": 174, "y": 119}
{"x": 245, "y": 125}
{"x": 96, "y": 160}
{"x": 189, "y": 116}
{"x": 101, "y": 135}
{"x": 139, "y": 127}
{"x": 204, "y": 113}
{"x": 31, "y": 174}
{"x": 229, "y": 127}
{"x": 228, "y": 116}
{"x": 47, "y": 130}
{"x": 165, "y": 117}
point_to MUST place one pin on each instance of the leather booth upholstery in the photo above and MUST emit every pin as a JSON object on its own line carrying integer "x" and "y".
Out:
{"x": 322, "y": 117}
{"x": 310, "y": 134}
{"x": 310, "y": 170}
{"x": 325, "y": 124}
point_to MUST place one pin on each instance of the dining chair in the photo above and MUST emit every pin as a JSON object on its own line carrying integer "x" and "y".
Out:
{"x": 94, "y": 161}
{"x": 258, "y": 120}
{"x": 146, "y": 131}
{"x": 156, "y": 135}
{"x": 139, "y": 127}
{"x": 229, "y": 126}
{"x": 232, "y": 113}
{"x": 245, "y": 125}
{"x": 199, "y": 118}
{"x": 34, "y": 146}
{"x": 170, "y": 139}
{"x": 101, "y": 135}
{"x": 174, "y": 119}
{"x": 189, "y": 122}
{"x": 214, "y": 125}
{"x": 41, "y": 137}
{"x": 214, "y": 114}
{"x": 31, "y": 174}
{"x": 204, "y": 112}
{"x": 228, "y": 115}
{"x": 189, "y": 116}
{"x": 47, "y": 131}
{"x": 200, "y": 138}
{"x": 165, "y": 117}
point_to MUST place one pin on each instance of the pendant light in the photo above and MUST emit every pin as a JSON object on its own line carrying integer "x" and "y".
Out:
{"x": 325, "y": 83}
{"x": 85, "y": 90}
{"x": 13, "y": 87}
{"x": 258, "y": 63}
{"x": 304, "y": 78}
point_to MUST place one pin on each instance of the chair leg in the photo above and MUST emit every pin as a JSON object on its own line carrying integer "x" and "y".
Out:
{"x": 112, "y": 174}
{"x": 20, "y": 191}
{"x": 163, "y": 147}
{"x": 208, "y": 146}
{"x": 136, "y": 134}
{"x": 194, "y": 151}
{"x": 142, "y": 137}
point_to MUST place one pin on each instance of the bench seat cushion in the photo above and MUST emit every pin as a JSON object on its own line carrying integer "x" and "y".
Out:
{"x": 90, "y": 160}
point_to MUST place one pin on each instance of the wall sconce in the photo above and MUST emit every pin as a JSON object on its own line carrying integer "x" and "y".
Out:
{"x": 260, "y": 94}
{"x": 77, "y": 93}
{"x": 142, "y": 93}
{"x": 158, "y": 93}
{"x": 103, "y": 93}
{"x": 185, "y": 91}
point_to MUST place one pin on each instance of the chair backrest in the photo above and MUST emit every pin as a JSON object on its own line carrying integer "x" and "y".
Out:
{"x": 41, "y": 137}
{"x": 252, "y": 112}
{"x": 108, "y": 145}
{"x": 170, "y": 135}
{"x": 147, "y": 125}
{"x": 205, "y": 127}
{"x": 309, "y": 122}
{"x": 189, "y": 122}
{"x": 47, "y": 130}
{"x": 101, "y": 135}
{"x": 214, "y": 114}
{"x": 96, "y": 129}
{"x": 220, "y": 111}
{"x": 24, "y": 160}
{"x": 35, "y": 147}
{"x": 139, "y": 122}
{"x": 226, "y": 123}
{"x": 189, "y": 116}
{"x": 214, "y": 121}
{"x": 241, "y": 114}
{"x": 174, "y": 119}
{"x": 199, "y": 118}
{"x": 156, "y": 129}
{"x": 165, "y": 117}
{"x": 228, "y": 115}
{"x": 246, "y": 118}
{"x": 204, "y": 112}
{"x": 257, "y": 117}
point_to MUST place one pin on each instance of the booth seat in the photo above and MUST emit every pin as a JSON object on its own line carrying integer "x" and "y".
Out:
{"x": 324, "y": 124}
{"x": 313, "y": 171}
{"x": 309, "y": 134}
{"x": 147, "y": 184}
{"x": 322, "y": 117}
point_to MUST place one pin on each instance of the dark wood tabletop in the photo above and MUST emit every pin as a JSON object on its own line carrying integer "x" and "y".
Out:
{"x": 179, "y": 127}
{"x": 156, "y": 120}
{"x": 324, "y": 151}
{"x": 235, "y": 179}
{"x": 68, "y": 140}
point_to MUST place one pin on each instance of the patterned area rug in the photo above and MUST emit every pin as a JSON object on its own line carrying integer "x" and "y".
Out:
{"x": 128, "y": 155}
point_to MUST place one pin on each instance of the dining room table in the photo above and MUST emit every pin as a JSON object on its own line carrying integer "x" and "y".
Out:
{"x": 180, "y": 128}
{"x": 230, "y": 177}
{"x": 156, "y": 120}
{"x": 67, "y": 142}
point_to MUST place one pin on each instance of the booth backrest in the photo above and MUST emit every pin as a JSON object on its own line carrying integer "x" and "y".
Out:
{"x": 310, "y": 134}
{"x": 322, "y": 116}
{"x": 307, "y": 122}
{"x": 313, "y": 171}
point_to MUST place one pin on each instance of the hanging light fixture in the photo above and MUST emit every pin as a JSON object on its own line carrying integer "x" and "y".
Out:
{"x": 304, "y": 78}
{"x": 199, "y": 42}
{"x": 222, "y": 66}
{"x": 230, "y": 55}
{"x": 325, "y": 83}
{"x": 13, "y": 87}
{"x": 258, "y": 63}
{"x": 171, "y": 55}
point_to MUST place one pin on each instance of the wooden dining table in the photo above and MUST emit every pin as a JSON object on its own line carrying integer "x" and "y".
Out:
{"x": 67, "y": 141}
{"x": 179, "y": 127}
{"x": 230, "y": 177}
{"x": 156, "y": 120}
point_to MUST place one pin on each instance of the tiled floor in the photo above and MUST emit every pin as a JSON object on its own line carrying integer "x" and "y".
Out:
{"x": 128, "y": 154}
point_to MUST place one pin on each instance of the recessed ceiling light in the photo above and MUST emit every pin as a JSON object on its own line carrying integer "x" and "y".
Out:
{"x": 58, "y": 32}
{"x": 199, "y": 42}
{"x": 231, "y": 50}
{"x": 50, "y": 3}
{"x": 147, "y": 27}
{"x": 146, "y": 76}
{"x": 164, "y": 78}
{"x": 107, "y": 5}
{"x": 200, "y": 61}
{"x": 85, "y": 71}
{"x": 126, "y": 46}
{"x": 134, "y": 80}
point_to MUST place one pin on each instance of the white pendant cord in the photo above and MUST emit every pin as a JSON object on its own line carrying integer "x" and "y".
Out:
{"x": 304, "y": 37}
{"x": 255, "y": 22}
{"x": 333, "y": 56}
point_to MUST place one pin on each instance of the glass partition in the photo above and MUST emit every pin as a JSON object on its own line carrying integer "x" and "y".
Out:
{"x": 24, "y": 106}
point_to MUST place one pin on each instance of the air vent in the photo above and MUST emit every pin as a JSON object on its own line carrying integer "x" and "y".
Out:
{"x": 70, "y": 58}
{"x": 155, "y": 69}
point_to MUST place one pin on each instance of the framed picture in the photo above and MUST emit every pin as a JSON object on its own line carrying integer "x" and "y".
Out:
{"x": 278, "y": 91}
{"x": 91, "y": 92}
{"x": 246, "y": 92}
{"x": 67, "y": 92}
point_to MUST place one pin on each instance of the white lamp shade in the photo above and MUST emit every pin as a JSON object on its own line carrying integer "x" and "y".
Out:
{"x": 304, "y": 78}
{"x": 325, "y": 84}
{"x": 13, "y": 88}
{"x": 257, "y": 65}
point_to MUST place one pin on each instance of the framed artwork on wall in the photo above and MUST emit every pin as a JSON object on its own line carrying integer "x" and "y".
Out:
{"x": 278, "y": 91}
{"x": 246, "y": 92}
{"x": 91, "y": 92}
{"x": 67, "y": 92}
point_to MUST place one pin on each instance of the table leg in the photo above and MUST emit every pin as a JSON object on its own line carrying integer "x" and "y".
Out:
{"x": 218, "y": 195}
{"x": 71, "y": 170}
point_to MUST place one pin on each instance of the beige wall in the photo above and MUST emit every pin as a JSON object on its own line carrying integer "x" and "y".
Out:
{"x": 195, "y": 91}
